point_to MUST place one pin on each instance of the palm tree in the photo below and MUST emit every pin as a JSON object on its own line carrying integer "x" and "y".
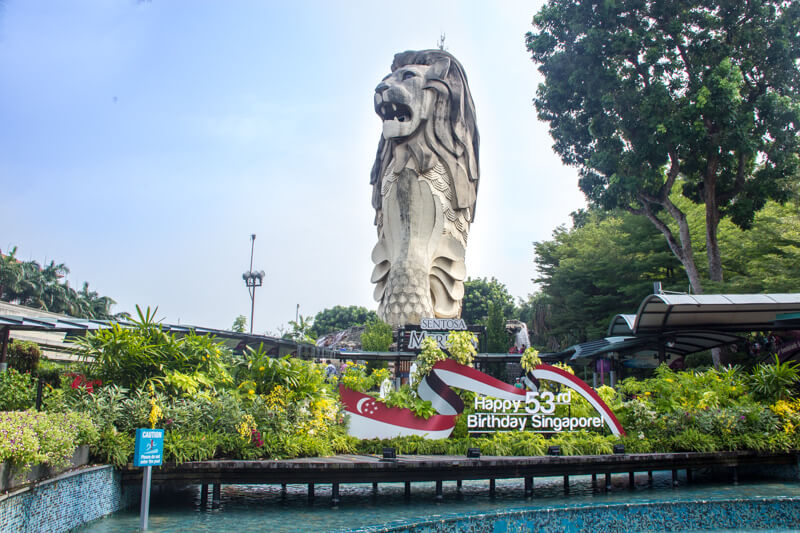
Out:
{"x": 10, "y": 276}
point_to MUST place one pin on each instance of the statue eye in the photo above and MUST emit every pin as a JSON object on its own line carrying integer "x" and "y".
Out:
{"x": 408, "y": 74}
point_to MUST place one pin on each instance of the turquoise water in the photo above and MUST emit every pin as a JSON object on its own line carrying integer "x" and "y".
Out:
{"x": 250, "y": 508}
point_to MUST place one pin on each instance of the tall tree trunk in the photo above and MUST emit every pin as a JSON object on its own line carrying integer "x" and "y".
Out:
{"x": 681, "y": 247}
{"x": 712, "y": 224}
{"x": 712, "y": 242}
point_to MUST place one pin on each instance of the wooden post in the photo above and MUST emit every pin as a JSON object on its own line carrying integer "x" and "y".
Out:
{"x": 491, "y": 487}
{"x": 458, "y": 486}
{"x": 217, "y": 495}
{"x": 608, "y": 481}
{"x": 439, "y": 495}
{"x": 4, "y": 349}
{"x": 688, "y": 475}
{"x": 204, "y": 495}
{"x": 335, "y": 494}
{"x": 594, "y": 480}
{"x": 566, "y": 484}
{"x": 528, "y": 486}
{"x": 310, "y": 493}
{"x": 407, "y": 492}
{"x": 283, "y": 490}
{"x": 674, "y": 478}
{"x": 650, "y": 476}
{"x": 374, "y": 489}
{"x": 735, "y": 476}
{"x": 631, "y": 482}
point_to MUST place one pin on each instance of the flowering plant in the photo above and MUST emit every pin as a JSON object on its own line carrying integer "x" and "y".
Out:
{"x": 30, "y": 437}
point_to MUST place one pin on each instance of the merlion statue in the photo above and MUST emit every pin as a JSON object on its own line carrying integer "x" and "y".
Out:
{"x": 425, "y": 181}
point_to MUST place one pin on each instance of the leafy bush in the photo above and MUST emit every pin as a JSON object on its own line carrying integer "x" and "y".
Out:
{"x": 530, "y": 359}
{"x": 692, "y": 440}
{"x": 23, "y": 356}
{"x": 29, "y": 437}
{"x": 191, "y": 446}
{"x": 114, "y": 447}
{"x": 377, "y": 336}
{"x": 354, "y": 377}
{"x": 429, "y": 355}
{"x": 133, "y": 357}
{"x": 405, "y": 397}
{"x": 16, "y": 390}
{"x": 462, "y": 346}
{"x": 772, "y": 382}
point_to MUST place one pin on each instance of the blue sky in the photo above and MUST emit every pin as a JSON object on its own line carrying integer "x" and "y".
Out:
{"x": 141, "y": 143}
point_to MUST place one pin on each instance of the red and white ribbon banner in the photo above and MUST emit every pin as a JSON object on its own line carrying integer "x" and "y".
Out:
{"x": 371, "y": 419}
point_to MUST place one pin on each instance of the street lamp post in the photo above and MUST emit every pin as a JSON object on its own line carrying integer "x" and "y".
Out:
{"x": 252, "y": 280}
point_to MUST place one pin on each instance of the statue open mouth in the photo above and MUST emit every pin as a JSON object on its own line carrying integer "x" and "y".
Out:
{"x": 399, "y": 112}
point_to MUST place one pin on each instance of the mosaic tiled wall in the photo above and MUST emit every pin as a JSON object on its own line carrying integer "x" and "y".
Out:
{"x": 64, "y": 502}
{"x": 773, "y": 513}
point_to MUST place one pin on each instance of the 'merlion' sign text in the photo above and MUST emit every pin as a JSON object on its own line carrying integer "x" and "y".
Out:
{"x": 535, "y": 414}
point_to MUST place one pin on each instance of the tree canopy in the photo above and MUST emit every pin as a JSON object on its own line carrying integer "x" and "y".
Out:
{"x": 28, "y": 283}
{"x": 478, "y": 293}
{"x": 646, "y": 97}
{"x": 340, "y": 317}
{"x": 377, "y": 336}
{"x": 607, "y": 265}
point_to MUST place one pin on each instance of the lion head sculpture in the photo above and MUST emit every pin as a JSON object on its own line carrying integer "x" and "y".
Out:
{"x": 425, "y": 182}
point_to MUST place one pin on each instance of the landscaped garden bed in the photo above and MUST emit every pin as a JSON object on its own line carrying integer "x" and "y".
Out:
{"x": 214, "y": 404}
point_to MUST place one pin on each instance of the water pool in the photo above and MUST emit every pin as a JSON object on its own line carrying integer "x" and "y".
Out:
{"x": 247, "y": 508}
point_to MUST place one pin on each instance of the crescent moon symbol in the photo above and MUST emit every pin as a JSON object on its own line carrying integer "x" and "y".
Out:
{"x": 360, "y": 404}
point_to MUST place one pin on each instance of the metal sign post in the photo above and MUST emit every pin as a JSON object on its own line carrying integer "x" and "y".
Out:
{"x": 144, "y": 510}
{"x": 148, "y": 452}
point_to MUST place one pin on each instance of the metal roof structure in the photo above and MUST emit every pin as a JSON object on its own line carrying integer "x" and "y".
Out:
{"x": 79, "y": 327}
{"x": 680, "y": 343}
{"x": 681, "y": 324}
{"x": 659, "y": 313}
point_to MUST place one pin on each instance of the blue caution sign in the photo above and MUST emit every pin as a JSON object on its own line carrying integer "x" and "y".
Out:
{"x": 149, "y": 447}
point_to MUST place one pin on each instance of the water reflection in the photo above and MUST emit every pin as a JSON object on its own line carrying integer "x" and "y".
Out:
{"x": 246, "y": 508}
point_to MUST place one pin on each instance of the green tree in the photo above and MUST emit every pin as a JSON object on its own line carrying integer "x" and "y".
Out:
{"x": 701, "y": 96}
{"x": 764, "y": 258}
{"x": 477, "y": 295}
{"x": 301, "y": 330}
{"x": 377, "y": 336}
{"x": 239, "y": 324}
{"x": 496, "y": 336}
{"x": 340, "y": 317}
{"x": 590, "y": 273}
{"x": 28, "y": 283}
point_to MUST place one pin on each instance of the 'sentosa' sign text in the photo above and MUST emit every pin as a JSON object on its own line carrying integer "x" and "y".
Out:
{"x": 443, "y": 324}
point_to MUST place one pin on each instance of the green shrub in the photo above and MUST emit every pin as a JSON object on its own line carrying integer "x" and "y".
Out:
{"x": 771, "y": 382}
{"x": 134, "y": 357}
{"x": 16, "y": 390}
{"x": 23, "y": 356}
{"x": 191, "y": 446}
{"x": 692, "y": 440}
{"x": 50, "y": 373}
{"x": 114, "y": 447}
{"x": 29, "y": 437}
{"x": 406, "y": 398}
{"x": 699, "y": 360}
{"x": 377, "y": 336}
